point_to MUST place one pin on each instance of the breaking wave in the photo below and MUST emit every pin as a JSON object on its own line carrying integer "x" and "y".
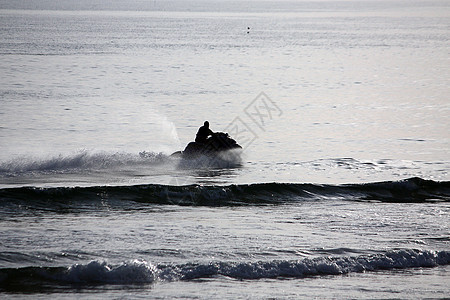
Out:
{"x": 142, "y": 272}
{"x": 403, "y": 191}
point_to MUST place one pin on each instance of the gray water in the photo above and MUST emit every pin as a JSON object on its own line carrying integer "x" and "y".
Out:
{"x": 324, "y": 92}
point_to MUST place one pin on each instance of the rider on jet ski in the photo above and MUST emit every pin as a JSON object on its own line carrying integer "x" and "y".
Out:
{"x": 203, "y": 133}
{"x": 208, "y": 143}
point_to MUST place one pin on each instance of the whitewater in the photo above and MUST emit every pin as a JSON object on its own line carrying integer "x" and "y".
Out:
{"x": 341, "y": 190}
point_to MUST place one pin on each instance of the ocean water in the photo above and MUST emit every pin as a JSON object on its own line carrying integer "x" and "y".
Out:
{"x": 341, "y": 190}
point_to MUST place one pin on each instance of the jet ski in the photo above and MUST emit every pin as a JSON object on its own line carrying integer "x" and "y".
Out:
{"x": 215, "y": 144}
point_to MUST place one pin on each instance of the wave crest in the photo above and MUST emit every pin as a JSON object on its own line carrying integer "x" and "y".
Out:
{"x": 399, "y": 259}
{"x": 403, "y": 191}
{"x": 141, "y": 272}
{"x": 136, "y": 272}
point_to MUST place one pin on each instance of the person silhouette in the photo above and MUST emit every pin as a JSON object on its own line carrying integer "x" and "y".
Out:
{"x": 203, "y": 133}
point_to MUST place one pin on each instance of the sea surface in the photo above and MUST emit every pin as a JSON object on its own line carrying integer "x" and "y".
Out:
{"x": 341, "y": 190}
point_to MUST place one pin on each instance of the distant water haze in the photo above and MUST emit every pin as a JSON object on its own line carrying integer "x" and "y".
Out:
{"x": 357, "y": 79}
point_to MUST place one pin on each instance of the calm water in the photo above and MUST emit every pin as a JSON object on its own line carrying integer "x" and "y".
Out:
{"x": 342, "y": 109}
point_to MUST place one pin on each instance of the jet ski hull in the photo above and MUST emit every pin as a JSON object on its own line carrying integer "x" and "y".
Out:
{"x": 217, "y": 143}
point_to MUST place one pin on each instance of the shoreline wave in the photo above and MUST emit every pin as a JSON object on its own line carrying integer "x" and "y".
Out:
{"x": 142, "y": 272}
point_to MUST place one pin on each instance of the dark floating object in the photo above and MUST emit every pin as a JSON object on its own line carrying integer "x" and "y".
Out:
{"x": 215, "y": 144}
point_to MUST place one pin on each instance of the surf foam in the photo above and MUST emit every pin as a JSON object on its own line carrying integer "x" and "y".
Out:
{"x": 141, "y": 272}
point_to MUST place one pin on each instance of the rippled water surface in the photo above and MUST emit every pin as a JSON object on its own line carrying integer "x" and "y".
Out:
{"x": 341, "y": 189}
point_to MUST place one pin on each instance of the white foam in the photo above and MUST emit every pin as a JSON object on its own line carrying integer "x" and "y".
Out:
{"x": 135, "y": 272}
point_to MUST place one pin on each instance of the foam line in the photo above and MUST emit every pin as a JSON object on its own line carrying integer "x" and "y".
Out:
{"x": 141, "y": 272}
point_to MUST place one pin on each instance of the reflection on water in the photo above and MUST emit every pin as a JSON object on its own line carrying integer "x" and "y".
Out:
{"x": 216, "y": 176}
